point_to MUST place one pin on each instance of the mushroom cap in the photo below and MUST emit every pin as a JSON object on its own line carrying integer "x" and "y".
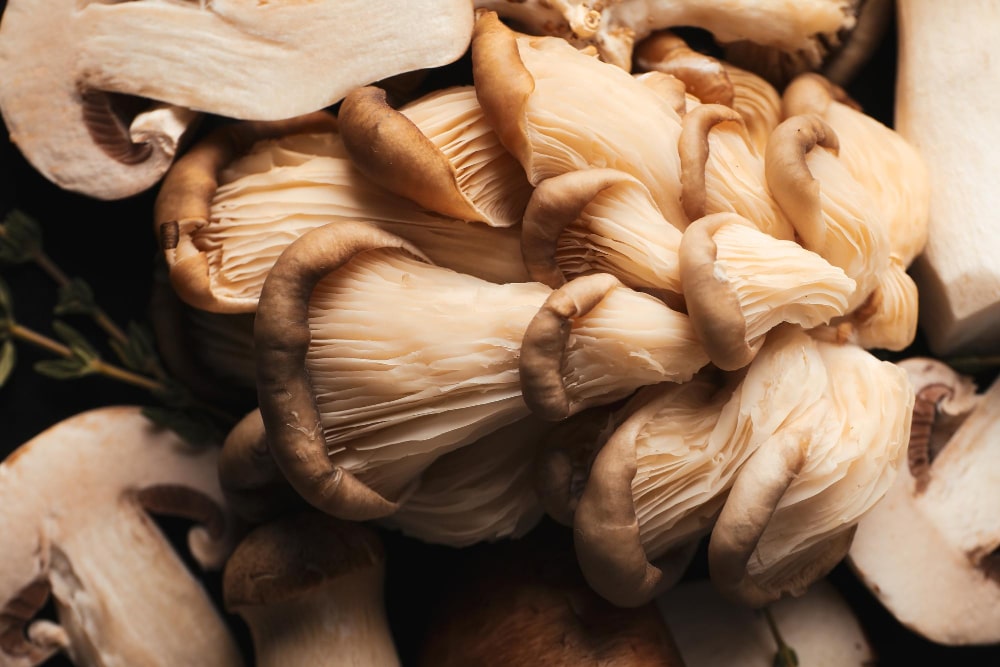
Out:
{"x": 927, "y": 551}
{"x": 297, "y": 554}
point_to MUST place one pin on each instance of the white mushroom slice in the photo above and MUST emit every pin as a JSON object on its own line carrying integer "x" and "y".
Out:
{"x": 234, "y": 59}
{"x": 795, "y": 27}
{"x": 438, "y": 151}
{"x": 480, "y": 493}
{"x": 74, "y": 522}
{"x": 229, "y": 207}
{"x": 829, "y": 423}
{"x": 819, "y": 626}
{"x": 372, "y": 362}
{"x": 600, "y": 220}
{"x": 928, "y": 551}
{"x": 739, "y": 283}
{"x": 877, "y": 156}
{"x": 559, "y": 110}
{"x": 834, "y": 215}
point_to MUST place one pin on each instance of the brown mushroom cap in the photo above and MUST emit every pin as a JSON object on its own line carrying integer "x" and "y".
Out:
{"x": 704, "y": 76}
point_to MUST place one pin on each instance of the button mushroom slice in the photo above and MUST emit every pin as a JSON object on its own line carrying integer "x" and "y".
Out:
{"x": 437, "y": 150}
{"x": 834, "y": 215}
{"x": 233, "y": 59}
{"x": 600, "y": 220}
{"x": 310, "y": 587}
{"x": 722, "y": 172}
{"x": 558, "y": 110}
{"x": 819, "y": 626}
{"x": 524, "y": 602}
{"x": 75, "y": 526}
{"x": 371, "y": 367}
{"x": 739, "y": 283}
{"x": 656, "y": 486}
{"x": 480, "y": 493}
{"x": 801, "y": 29}
{"x": 828, "y": 424}
{"x": 928, "y": 551}
{"x": 233, "y": 202}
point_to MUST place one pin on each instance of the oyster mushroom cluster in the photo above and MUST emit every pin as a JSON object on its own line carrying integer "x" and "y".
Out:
{"x": 643, "y": 303}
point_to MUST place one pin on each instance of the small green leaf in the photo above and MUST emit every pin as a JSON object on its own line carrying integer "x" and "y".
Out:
{"x": 193, "y": 428}
{"x": 76, "y": 298}
{"x": 20, "y": 238}
{"x": 138, "y": 352}
{"x": 80, "y": 346}
{"x": 63, "y": 369}
{"x": 8, "y": 359}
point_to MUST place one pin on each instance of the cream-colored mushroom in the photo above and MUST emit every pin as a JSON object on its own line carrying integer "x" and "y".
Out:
{"x": 828, "y": 424}
{"x": 229, "y": 207}
{"x": 557, "y": 110}
{"x": 66, "y": 66}
{"x": 437, "y": 150}
{"x": 311, "y": 588}
{"x": 928, "y": 551}
{"x": 372, "y": 362}
{"x": 819, "y": 626}
{"x": 75, "y": 527}
{"x": 739, "y": 283}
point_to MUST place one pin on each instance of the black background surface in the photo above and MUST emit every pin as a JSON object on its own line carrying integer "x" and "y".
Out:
{"x": 113, "y": 247}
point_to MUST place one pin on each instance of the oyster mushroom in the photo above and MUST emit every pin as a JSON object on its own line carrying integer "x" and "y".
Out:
{"x": 819, "y": 625}
{"x": 360, "y": 391}
{"x": 739, "y": 283}
{"x": 238, "y": 60}
{"x": 233, "y": 202}
{"x": 310, "y": 588}
{"x": 828, "y": 424}
{"x": 437, "y": 150}
{"x": 557, "y": 110}
{"x": 75, "y": 527}
{"x": 937, "y": 520}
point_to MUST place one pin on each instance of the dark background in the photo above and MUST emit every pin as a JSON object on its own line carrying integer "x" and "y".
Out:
{"x": 112, "y": 246}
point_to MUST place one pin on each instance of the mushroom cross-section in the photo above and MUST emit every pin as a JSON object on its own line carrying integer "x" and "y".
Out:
{"x": 73, "y": 515}
{"x": 63, "y": 64}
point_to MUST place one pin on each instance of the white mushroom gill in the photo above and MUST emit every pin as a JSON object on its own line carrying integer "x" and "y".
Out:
{"x": 757, "y": 101}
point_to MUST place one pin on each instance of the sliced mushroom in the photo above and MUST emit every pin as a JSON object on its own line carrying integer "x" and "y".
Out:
{"x": 311, "y": 589}
{"x": 372, "y": 362}
{"x": 229, "y": 207}
{"x": 480, "y": 493}
{"x": 75, "y": 526}
{"x": 65, "y": 65}
{"x": 829, "y": 423}
{"x": 739, "y": 283}
{"x": 523, "y": 602}
{"x": 600, "y": 220}
{"x": 438, "y": 151}
{"x": 928, "y": 551}
{"x": 819, "y": 626}
{"x": 557, "y": 110}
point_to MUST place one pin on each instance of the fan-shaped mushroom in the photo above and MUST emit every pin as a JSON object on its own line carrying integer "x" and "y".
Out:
{"x": 229, "y": 207}
{"x": 928, "y": 551}
{"x": 74, "y": 522}
{"x": 828, "y": 424}
{"x": 62, "y": 66}
{"x": 372, "y": 362}
{"x": 311, "y": 589}
{"x": 437, "y": 150}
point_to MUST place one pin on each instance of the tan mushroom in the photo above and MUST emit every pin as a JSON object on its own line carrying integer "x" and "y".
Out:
{"x": 360, "y": 389}
{"x": 557, "y": 110}
{"x": 928, "y": 551}
{"x": 75, "y": 524}
{"x": 437, "y": 150}
{"x": 828, "y": 424}
{"x": 739, "y": 283}
{"x": 229, "y": 207}
{"x": 67, "y": 66}
{"x": 311, "y": 589}
{"x": 819, "y": 626}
